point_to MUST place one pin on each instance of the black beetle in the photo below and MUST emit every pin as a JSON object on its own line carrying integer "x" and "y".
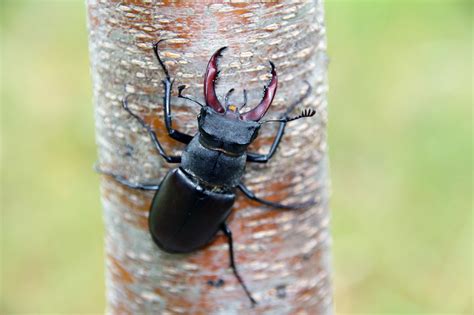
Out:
{"x": 193, "y": 201}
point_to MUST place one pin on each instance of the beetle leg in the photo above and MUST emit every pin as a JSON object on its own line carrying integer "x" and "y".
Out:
{"x": 247, "y": 192}
{"x": 154, "y": 138}
{"x": 122, "y": 180}
{"x": 173, "y": 133}
{"x": 177, "y": 135}
{"x": 263, "y": 158}
{"x": 228, "y": 234}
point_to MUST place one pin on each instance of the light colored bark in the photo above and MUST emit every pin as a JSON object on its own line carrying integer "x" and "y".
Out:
{"x": 282, "y": 255}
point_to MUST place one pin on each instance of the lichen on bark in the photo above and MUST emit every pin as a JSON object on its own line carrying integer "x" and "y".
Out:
{"x": 283, "y": 255}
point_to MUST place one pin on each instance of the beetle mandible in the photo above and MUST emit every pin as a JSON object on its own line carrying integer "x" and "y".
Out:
{"x": 211, "y": 166}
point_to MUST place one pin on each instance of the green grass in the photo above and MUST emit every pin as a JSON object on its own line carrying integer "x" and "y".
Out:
{"x": 400, "y": 145}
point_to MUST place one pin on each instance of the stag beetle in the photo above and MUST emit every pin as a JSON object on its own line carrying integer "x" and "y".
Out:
{"x": 193, "y": 201}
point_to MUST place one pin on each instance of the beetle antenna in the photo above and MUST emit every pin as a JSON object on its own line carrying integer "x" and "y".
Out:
{"x": 227, "y": 97}
{"x": 306, "y": 94}
{"x": 245, "y": 100}
{"x": 180, "y": 95}
{"x": 309, "y": 112}
{"x": 304, "y": 113}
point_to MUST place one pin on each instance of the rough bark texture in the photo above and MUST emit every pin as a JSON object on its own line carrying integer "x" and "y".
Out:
{"x": 282, "y": 255}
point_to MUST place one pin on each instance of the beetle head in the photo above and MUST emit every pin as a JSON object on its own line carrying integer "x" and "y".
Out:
{"x": 222, "y": 133}
{"x": 226, "y": 128}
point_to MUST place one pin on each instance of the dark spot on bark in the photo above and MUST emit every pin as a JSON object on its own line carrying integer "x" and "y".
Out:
{"x": 306, "y": 256}
{"x": 128, "y": 150}
{"x": 216, "y": 283}
{"x": 281, "y": 291}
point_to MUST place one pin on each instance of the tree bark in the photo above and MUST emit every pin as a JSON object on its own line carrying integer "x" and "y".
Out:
{"x": 282, "y": 255}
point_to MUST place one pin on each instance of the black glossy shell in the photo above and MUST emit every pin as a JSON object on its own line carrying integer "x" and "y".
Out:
{"x": 184, "y": 216}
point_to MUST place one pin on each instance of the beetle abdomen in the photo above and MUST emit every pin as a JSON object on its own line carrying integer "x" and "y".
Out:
{"x": 184, "y": 216}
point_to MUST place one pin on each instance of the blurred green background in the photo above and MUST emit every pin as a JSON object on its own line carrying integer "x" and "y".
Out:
{"x": 400, "y": 138}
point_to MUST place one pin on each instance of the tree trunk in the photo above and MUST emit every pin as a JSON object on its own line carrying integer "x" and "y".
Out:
{"x": 282, "y": 255}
